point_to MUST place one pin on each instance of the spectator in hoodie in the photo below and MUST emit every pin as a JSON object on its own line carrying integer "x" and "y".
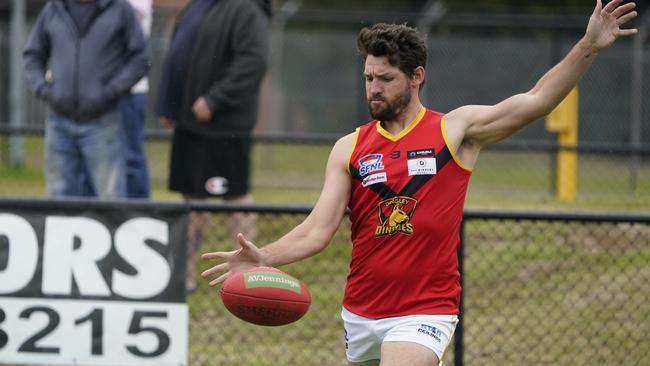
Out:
{"x": 132, "y": 109}
{"x": 95, "y": 51}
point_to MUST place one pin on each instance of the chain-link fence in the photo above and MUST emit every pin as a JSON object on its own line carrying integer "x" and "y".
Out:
{"x": 218, "y": 338}
{"x": 315, "y": 82}
{"x": 539, "y": 289}
{"x": 567, "y": 289}
{"x": 556, "y": 290}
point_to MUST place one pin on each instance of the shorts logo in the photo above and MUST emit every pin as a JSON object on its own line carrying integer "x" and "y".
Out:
{"x": 431, "y": 331}
{"x": 374, "y": 179}
{"x": 216, "y": 185}
{"x": 395, "y": 216}
{"x": 370, "y": 163}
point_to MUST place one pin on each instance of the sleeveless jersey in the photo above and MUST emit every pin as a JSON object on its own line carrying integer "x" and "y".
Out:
{"x": 406, "y": 206}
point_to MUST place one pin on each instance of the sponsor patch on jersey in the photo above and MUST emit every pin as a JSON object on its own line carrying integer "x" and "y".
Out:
{"x": 370, "y": 163}
{"x": 421, "y": 162}
{"x": 395, "y": 216}
{"x": 216, "y": 185}
{"x": 374, "y": 179}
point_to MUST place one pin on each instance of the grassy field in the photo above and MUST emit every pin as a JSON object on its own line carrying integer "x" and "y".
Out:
{"x": 557, "y": 293}
{"x": 285, "y": 173}
{"x": 536, "y": 292}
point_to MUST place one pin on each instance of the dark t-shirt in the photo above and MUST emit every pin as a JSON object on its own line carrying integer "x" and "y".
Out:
{"x": 172, "y": 81}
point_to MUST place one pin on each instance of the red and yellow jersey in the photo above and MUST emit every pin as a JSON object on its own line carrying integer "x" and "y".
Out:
{"x": 408, "y": 193}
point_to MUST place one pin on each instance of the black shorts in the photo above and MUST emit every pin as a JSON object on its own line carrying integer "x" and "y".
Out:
{"x": 209, "y": 167}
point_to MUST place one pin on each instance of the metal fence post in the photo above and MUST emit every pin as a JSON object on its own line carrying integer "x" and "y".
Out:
{"x": 458, "y": 335}
{"x": 17, "y": 93}
{"x": 636, "y": 102}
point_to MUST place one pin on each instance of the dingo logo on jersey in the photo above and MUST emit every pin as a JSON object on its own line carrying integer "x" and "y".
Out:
{"x": 395, "y": 216}
{"x": 370, "y": 163}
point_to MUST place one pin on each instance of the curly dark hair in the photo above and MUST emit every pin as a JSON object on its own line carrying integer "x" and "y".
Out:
{"x": 401, "y": 44}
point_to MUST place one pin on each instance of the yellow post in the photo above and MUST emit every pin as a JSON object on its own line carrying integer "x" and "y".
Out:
{"x": 563, "y": 120}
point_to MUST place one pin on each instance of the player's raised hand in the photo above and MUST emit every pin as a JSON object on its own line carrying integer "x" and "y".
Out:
{"x": 605, "y": 22}
{"x": 245, "y": 257}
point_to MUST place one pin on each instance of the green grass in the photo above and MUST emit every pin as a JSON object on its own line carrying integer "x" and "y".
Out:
{"x": 285, "y": 173}
{"x": 560, "y": 293}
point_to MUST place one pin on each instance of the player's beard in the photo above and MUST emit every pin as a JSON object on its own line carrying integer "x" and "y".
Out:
{"x": 389, "y": 109}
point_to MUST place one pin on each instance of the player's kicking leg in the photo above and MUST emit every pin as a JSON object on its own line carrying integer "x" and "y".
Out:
{"x": 407, "y": 354}
{"x": 413, "y": 340}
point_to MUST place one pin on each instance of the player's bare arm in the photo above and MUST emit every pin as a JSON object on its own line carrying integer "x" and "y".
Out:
{"x": 306, "y": 239}
{"x": 469, "y": 128}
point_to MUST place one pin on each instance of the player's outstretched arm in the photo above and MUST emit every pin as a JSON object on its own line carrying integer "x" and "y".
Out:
{"x": 477, "y": 126}
{"x": 306, "y": 239}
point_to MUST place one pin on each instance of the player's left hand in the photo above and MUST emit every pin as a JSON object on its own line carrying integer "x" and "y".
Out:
{"x": 605, "y": 23}
{"x": 237, "y": 260}
{"x": 201, "y": 110}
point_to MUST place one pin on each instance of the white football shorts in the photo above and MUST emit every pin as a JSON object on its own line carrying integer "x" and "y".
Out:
{"x": 363, "y": 336}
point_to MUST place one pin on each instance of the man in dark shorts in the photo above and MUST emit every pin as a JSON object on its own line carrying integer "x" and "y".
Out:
{"x": 209, "y": 91}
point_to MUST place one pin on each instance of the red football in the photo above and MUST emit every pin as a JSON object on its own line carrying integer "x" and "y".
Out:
{"x": 265, "y": 296}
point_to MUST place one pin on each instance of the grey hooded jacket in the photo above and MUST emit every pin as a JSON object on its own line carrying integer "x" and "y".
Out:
{"x": 90, "y": 71}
